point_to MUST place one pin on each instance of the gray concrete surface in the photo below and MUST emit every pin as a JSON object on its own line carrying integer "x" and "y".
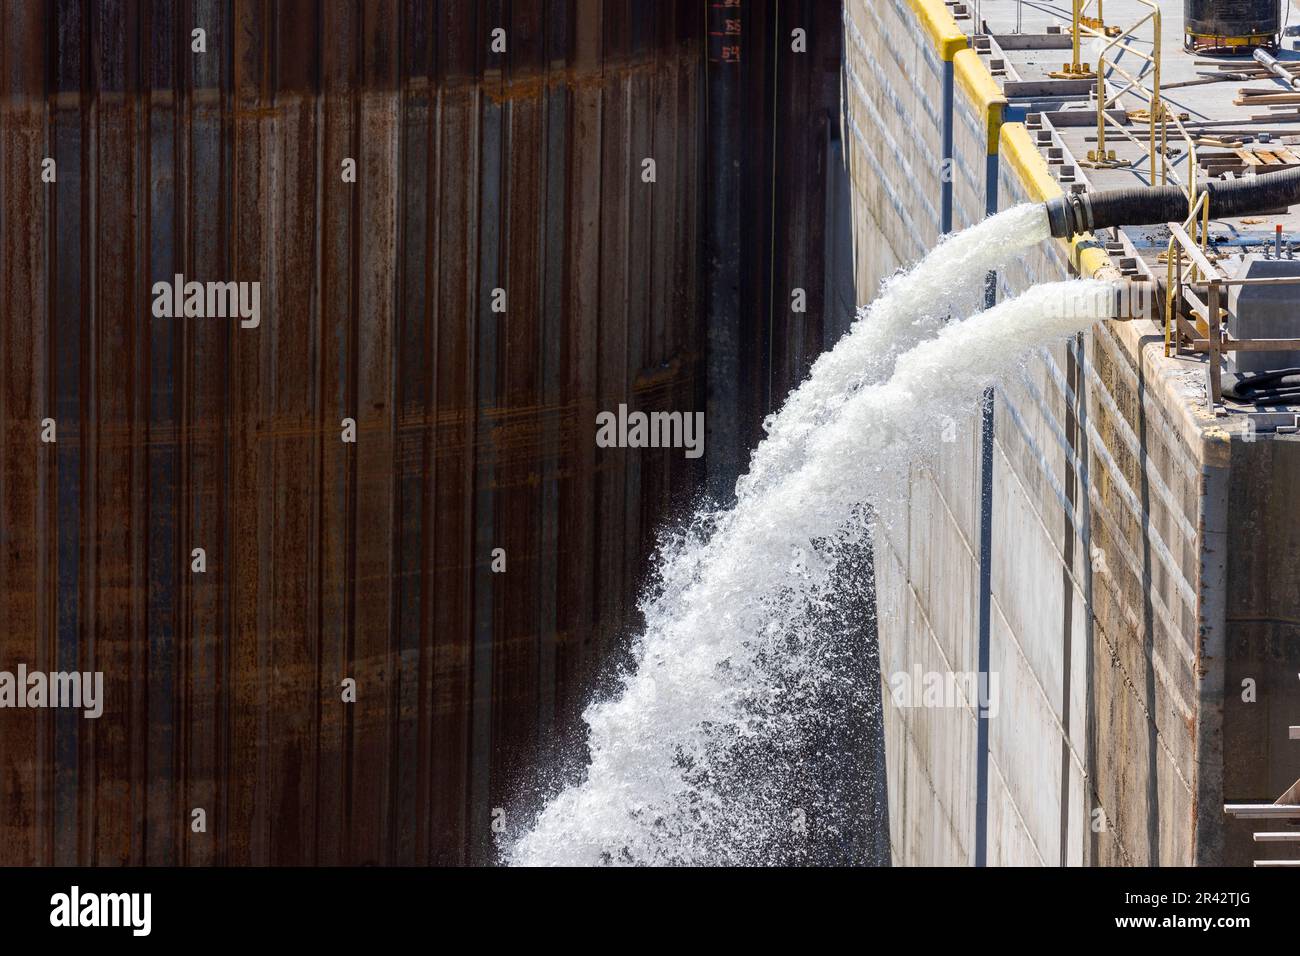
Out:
{"x": 1144, "y": 545}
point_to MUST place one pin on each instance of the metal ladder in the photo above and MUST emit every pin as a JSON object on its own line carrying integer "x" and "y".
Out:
{"x": 1286, "y": 807}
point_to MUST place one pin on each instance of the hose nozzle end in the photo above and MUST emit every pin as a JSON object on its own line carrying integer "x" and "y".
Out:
{"x": 1069, "y": 215}
{"x": 1058, "y": 217}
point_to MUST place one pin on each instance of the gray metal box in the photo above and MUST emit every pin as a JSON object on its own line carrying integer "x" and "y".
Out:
{"x": 1265, "y": 312}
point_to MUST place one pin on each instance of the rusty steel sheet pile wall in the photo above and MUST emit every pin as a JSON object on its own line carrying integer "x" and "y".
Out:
{"x": 475, "y": 171}
{"x": 328, "y": 560}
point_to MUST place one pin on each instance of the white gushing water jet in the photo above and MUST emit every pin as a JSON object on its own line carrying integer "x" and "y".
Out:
{"x": 728, "y": 645}
{"x": 911, "y": 306}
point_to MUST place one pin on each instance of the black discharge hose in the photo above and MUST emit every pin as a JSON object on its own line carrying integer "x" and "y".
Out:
{"x": 1075, "y": 213}
{"x": 1278, "y": 387}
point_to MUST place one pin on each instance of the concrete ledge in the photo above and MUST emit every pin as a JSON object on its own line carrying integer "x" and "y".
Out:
{"x": 944, "y": 33}
{"x": 982, "y": 90}
{"x": 1019, "y": 150}
{"x": 1085, "y": 252}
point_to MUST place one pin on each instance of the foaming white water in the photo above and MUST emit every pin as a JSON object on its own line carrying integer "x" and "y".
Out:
{"x": 911, "y": 306}
{"x": 679, "y": 768}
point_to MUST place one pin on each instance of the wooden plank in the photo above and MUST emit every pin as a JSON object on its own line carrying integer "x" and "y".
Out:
{"x": 1283, "y": 98}
{"x": 1272, "y": 280}
{"x": 1258, "y": 345}
{"x": 1187, "y": 330}
{"x": 1216, "y": 372}
{"x": 1248, "y": 345}
{"x": 1195, "y": 304}
{"x": 1262, "y": 811}
{"x": 1259, "y": 91}
{"x": 1247, "y": 67}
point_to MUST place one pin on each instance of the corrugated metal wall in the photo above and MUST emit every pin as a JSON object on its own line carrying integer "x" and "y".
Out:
{"x": 325, "y": 560}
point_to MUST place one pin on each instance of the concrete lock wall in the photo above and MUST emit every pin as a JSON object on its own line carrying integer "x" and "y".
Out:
{"x": 1100, "y": 445}
{"x": 1261, "y": 609}
{"x": 1112, "y": 586}
{"x": 893, "y": 108}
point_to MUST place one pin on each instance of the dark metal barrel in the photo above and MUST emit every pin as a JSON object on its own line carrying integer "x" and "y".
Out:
{"x": 1231, "y": 26}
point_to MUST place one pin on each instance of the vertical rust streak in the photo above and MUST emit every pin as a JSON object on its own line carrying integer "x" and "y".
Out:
{"x": 316, "y": 563}
{"x": 353, "y": 411}
{"x": 89, "y": 546}
{"x": 138, "y": 741}
{"x": 48, "y": 781}
{"x": 424, "y": 743}
{"x": 24, "y": 264}
{"x": 433, "y": 278}
{"x": 182, "y": 262}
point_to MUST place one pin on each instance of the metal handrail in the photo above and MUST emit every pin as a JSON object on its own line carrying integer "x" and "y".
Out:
{"x": 1079, "y": 8}
{"x": 1157, "y": 113}
{"x": 1188, "y": 239}
{"x": 1211, "y": 310}
{"x": 1174, "y": 284}
{"x": 1153, "y": 96}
